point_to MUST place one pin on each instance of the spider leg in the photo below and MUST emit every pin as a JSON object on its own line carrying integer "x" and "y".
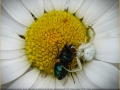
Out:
{"x": 77, "y": 69}
{"x": 91, "y": 34}
{"x": 73, "y": 70}
{"x": 79, "y": 63}
{"x": 84, "y": 46}
{"x": 83, "y": 59}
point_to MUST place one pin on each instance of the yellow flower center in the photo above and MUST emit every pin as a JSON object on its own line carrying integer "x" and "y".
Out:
{"x": 46, "y": 37}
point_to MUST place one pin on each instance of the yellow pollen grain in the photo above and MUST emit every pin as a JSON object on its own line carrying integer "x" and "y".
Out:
{"x": 50, "y": 32}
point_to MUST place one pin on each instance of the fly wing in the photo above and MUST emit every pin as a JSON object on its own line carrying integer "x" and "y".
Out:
{"x": 64, "y": 80}
{"x": 43, "y": 74}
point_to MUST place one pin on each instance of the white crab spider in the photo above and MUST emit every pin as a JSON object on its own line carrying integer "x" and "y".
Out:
{"x": 85, "y": 52}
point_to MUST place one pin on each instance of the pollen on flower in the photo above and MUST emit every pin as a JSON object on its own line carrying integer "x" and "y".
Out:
{"x": 46, "y": 37}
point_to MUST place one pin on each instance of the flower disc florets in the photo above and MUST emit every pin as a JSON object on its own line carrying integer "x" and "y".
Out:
{"x": 46, "y": 37}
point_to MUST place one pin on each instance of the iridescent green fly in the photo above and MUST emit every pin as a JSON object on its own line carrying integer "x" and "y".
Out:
{"x": 66, "y": 56}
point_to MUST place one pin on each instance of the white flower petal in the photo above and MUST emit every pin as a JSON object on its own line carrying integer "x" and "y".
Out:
{"x": 48, "y": 5}
{"x": 107, "y": 22}
{"x": 102, "y": 74}
{"x": 107, "y": 46}
{"x": 83, "y": 8}
{"x": 5, "y": 27}
{"x": 16, "y": 9}
{"x": 107, "y": 49}
{"x": 14, "y": 75}
{"x": 26, "y": 81}
{"x": 85, "y": 82}
{"x": 67, "y": 4}
{"x": 4, "y": 87}
{"x": 11, "y": 35}
{"x": 11, "y": 25}
{"x": 70, "y": 83}
{"x": 11, "y": 44}
{"x": 36, "y": 7}
{"x": 74, "y": 5}
{"x": 49, "y": 82}
{"x": 42, "y": 83}
{"x": 38, "y": 81}
{"x": 13, "y": 67}
{"x": 107, "y": 57}
{"x": 12, "y": 71}
{"x": 7, "y": 62}
{"x": 113, "y": 58}
{"x": 58, "y": 84}
{"x": 114, "y": 33}
{"x": 5, "y": 54}
{"x": 76, "y": 82}
{"x": 52, "y": 83}
{"x": 111, "y": 14}
{"x": 96, "y": 10}
{"x": 59, "y": 5}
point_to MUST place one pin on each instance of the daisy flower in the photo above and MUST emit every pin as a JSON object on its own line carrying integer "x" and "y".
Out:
{"x": 37, "y": 35}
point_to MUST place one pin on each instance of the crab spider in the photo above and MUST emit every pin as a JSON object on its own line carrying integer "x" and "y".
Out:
{"x": 85, "y": 52}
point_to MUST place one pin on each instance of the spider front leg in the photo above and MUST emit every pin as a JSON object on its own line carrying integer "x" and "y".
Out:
{"x": 88, "y": 49}
{"x": 78, "y": 62}
{"x": 91, "y": 34}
